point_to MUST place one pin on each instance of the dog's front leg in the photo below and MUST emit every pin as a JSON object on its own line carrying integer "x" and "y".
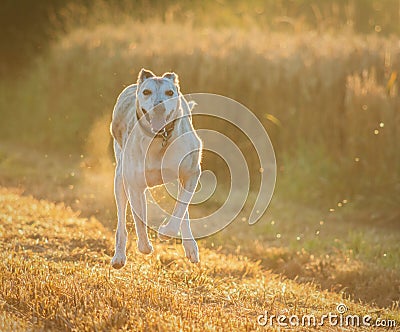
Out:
{"x": 171, "y": 229}
{"x": 188, "y": 241}
{"x": 137, "y": 200}
{"x": 121, "y": 234}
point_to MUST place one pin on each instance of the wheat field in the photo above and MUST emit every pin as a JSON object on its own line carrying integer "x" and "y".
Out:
{"x": 326, "y": 97}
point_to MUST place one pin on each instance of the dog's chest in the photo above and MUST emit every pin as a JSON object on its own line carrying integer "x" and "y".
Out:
{"x": 162, "y": 165}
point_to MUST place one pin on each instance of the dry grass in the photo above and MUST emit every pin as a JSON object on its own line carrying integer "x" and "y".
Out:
{"x": 335, "y": 252}
{"x": 55, "y": 275}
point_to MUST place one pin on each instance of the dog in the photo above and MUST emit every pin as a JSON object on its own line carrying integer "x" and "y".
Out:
{"x": 151, "y": 118}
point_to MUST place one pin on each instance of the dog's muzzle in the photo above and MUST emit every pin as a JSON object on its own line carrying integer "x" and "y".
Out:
{"x": 156, "y": 119}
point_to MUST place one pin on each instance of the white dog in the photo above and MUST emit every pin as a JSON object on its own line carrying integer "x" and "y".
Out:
{"x": 154, "y": 143}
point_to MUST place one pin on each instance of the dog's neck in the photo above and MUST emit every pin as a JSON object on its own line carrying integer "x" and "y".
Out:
{"x": 165, "y": 133}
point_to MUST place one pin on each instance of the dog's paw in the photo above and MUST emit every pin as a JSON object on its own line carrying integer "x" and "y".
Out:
{"x": 118, "y": 261}
{"x": 191, "y": 250}
{"x": 168, "y": 231}
{"x": 145, "y": 247}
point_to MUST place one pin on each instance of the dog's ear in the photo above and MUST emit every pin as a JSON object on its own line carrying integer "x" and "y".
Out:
{"x": 172, "y": 77}
{"x": 144, "y": 75}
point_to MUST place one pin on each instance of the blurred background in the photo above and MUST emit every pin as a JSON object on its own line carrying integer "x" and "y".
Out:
{"x": 322, "y": 77}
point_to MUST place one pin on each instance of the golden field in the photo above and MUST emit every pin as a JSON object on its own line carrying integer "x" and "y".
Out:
{"x": 330, "y": 103}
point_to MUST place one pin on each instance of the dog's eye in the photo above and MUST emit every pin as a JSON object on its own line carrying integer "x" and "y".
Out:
{"x": 146, "y": 92}
{"x": 169, "y": 93}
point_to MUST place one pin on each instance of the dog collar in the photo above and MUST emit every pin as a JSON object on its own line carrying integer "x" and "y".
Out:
{"x": 165, "y": 133}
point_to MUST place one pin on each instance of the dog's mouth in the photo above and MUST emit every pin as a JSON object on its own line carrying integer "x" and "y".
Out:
{"x": 156, "y": 121}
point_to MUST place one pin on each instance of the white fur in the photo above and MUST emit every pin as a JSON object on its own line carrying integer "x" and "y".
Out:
{"x": 142, "y": 161}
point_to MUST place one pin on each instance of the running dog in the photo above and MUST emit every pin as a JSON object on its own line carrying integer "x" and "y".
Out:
{"x": 154, "y": 143}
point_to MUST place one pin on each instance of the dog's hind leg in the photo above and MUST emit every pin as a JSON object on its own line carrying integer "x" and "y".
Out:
{"x": 188, "y": 241}
{"x": 121, "y": 234}
{"x": 137, "y": 201}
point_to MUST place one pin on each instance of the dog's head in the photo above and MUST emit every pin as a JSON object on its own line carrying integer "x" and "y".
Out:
{"x": 158, "y": 98}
